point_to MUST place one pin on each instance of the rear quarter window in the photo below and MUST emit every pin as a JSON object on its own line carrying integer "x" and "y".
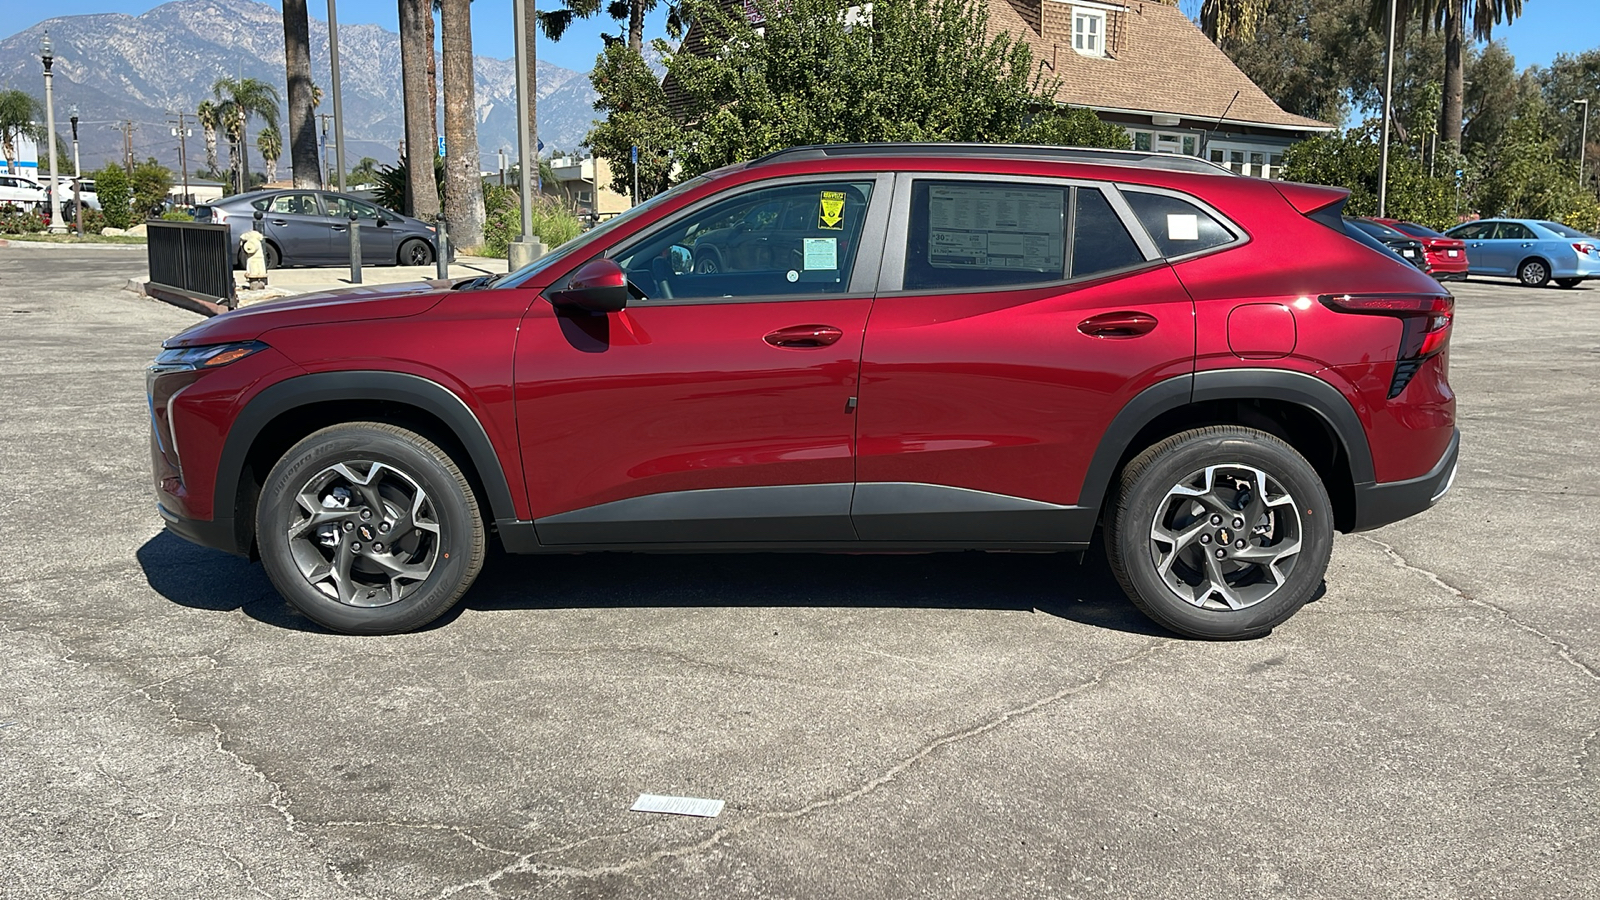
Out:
{"x": 1177, "y": 226}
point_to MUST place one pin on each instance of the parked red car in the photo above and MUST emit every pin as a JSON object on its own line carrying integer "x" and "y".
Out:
{"x": 937, "y": 347}
{"x": 1447, "y": 255}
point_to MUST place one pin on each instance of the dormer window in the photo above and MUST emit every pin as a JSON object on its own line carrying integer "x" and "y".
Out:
{"x": 1089, "y": 31}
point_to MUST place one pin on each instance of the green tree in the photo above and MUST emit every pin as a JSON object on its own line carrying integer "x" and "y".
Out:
{"x": 635, "y": 115}
{"x": 1350, "y": 160}
{"x": 365, "y": 171}
{"x": 270, "y": 143}
{"x": 630, "y": 13}
{"x": 206, "y": 115}
{"x": 780, "y": 73}
{"x": 19, "y": 113}
{"x": 1075, "y": 127}
{"x": 149, "y": 184}
{"x": 1525, "y": 176}
{"x": 115, "y": 194}
{"x": 1570, "y": 79}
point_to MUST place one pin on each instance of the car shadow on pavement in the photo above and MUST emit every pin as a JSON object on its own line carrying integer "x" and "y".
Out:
{"x": 1056, "y": 583}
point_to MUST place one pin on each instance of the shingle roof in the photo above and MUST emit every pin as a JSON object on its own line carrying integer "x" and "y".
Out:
{"x": 1159, "y": 62}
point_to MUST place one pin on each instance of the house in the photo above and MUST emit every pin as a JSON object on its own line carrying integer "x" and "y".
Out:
{"x": 587, "y": 184}
{"x": 1145, "y": 66}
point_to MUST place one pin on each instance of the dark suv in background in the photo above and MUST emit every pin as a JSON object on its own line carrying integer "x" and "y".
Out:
{"x": 949, "y": 347}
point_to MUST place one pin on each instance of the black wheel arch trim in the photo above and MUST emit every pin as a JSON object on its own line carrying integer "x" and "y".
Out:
{"x": 1304, "y": 390}
{"x": 397, "y": 387}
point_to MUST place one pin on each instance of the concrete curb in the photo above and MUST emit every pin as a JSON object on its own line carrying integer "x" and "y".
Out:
{"x": 47, "y": 245}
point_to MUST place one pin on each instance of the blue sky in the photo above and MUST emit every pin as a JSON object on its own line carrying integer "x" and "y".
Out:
{"x": 1547, "y": 27}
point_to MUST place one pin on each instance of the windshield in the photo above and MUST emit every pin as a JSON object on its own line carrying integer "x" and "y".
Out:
{"x": 592, "y": 236}
{"x": 1563, "y": 230}
{"x": 1416, "y": 230}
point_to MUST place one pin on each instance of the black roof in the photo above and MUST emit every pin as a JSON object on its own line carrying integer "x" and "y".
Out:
{"x": 1138, "y": 158}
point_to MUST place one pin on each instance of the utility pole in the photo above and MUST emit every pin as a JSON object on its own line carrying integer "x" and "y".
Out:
{"x": 502, "y": 152}
{"x": 327, "y": 161}
{"x": 1388, "y": 114}
{"x": 127, "y": 145}
{"x": 1583, "y": 142}
{"x": 181, "y": 132}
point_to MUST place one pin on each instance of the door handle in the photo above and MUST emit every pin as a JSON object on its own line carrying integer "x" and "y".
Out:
{"x": 279, "y": 222}
{"x": 338, "y": 227}
{"x": 1118, "y": 325}
{"x": 804, "y": 337}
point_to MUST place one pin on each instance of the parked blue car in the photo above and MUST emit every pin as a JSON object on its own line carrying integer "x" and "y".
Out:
{"x": 1529, "y": 250}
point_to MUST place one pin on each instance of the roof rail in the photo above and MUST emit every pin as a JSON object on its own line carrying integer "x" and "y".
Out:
{"x": 1138, "y": 158}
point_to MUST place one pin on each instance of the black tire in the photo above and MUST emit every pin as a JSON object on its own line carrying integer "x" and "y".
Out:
{"x": 1569, "y": 282}
{"x": 415, "y": 252}
{"x": 270, "y": 253}
{"x": 1156, "y": 482}
{"x": 709, "y": 264}
{"x": 434, "y": 556}
{"x": 1533, "y": 272}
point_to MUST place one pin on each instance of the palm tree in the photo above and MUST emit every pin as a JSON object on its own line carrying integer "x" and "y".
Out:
{"x": 237, "y": 100}
{"x": 270, "y": 143}
{"x": 365, "y": 171}
{"x": 463, "y": 184}
{"x": 632, "y": 12}
{"x": 206, "y": 114}
{"x": 19, "y": 116}
{"x": 302, "y": 122}
{"x": 1237, "y": 19}
{"x": 416, "y": 55}
{"x": 1450, "y": 17}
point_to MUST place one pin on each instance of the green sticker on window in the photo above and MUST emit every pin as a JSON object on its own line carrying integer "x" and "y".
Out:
{"x": 831, "y": 214}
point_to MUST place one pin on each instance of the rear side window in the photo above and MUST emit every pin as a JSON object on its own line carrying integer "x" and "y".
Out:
{"x": 973, "y": 234}
{"x": 1177, "y": 226}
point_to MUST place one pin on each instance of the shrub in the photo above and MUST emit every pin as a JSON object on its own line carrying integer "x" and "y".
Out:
{"x": 15, "y": 220}
{"x": 150, "y": 183}
{"x": 176, "y": 215}
{"x": 389, "y": 185}
{"x": 116, "y": 196}
{"x": 552, "y": 223}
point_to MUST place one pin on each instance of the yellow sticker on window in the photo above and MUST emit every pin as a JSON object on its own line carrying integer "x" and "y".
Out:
{"x": 831, "y": 215}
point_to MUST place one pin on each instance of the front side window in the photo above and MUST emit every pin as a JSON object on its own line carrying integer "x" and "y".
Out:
{"x": 793, "y": 239}
{"x": 1177, "y": 226}
{"x": 342, "y": 207}
{"x": 1471, "y": 231}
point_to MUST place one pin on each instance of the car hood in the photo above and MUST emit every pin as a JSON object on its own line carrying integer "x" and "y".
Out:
{"x": 388, "y": 301}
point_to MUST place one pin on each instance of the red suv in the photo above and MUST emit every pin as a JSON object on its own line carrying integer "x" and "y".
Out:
{"x": 961, "y": 347}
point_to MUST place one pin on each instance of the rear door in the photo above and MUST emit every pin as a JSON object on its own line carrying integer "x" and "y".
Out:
{"x": 717, "y": 408}
{"x": 377, "y": 233}
{"x": 1016, "y": 317}
{"x": 294, "y": 222}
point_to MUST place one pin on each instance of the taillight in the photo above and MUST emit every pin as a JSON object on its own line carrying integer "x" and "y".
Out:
{"x": 1424, "y": 322}
{"x": 219, "y": 216}
{"x": 1583, "y": 248}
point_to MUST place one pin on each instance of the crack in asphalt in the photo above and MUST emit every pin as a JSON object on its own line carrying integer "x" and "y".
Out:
{"x": 525, "y": 864}
{"x": 1562, "y": 649}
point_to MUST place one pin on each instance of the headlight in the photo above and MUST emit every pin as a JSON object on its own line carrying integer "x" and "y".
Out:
{"x": 211, "y": 356}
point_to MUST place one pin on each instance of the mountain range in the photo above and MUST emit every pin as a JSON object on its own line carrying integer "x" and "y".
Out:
{"x": 146, "y": 68}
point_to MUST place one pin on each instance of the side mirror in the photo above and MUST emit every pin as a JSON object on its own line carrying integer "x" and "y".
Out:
{"x": 599, "y": 285}
{"x": 382, "y": 221}
{"x": 682, "y": 259}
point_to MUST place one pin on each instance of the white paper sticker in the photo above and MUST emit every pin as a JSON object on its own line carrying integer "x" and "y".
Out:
{"x": 1184, "y": 227}
{"x": 821, "y": 253}
{"x": 677, "y": 806}
{"x": 793, "y": 276}
{"x": 995, "y": 228}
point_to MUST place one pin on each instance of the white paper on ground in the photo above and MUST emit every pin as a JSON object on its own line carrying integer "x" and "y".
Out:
{"x": 677, "y": 806}
{"x": 1185, "y": 227}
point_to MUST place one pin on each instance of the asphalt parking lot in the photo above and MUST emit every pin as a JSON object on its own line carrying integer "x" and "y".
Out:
{"x": 961, "y": 725}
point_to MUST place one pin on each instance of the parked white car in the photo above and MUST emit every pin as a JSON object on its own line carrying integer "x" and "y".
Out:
{"x": 17, "y": 190}
{"x": 85, "y": 192}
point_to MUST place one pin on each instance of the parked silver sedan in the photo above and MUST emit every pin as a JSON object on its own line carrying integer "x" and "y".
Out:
{"x": 308, "y": 228}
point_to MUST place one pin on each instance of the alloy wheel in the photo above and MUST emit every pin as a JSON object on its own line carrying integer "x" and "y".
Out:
{"x": 364, "y": 534}
{"x": 1535, "y": 273}
{"x": 1226, "y": 537}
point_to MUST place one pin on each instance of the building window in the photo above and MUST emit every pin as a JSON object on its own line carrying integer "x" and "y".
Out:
{"x": 1141, "y": 140}
{"x": 1166, "y": 142}
{"x": 1089, "y": 32}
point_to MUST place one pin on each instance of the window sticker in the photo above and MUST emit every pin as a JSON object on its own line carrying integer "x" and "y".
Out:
{"x": 821, "y": 253}
{"x": 830, "y": 216}
{"x": 793, "y": 276}
{"x": 995, "y": 228}
{"x": 1183, "y": 227}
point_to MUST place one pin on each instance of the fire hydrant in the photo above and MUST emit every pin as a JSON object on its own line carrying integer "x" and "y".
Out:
{"x": 255, "y": 260}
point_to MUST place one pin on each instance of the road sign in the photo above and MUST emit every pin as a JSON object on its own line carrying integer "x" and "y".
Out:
{"x": 636, "y": 156}
{"x": 441, "y": 145}
{"x": 540, "y": 148}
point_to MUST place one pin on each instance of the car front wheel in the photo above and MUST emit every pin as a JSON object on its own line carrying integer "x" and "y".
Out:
{"x": 368, "y": 528}
{"x": 1220, "y": 533}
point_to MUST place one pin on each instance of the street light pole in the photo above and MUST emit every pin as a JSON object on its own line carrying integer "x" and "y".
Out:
{"x": 48, "y": 54}
{"x": 1388, "y": 113}
{"x": 1583, "y": 142}
{"x": 338, "y": 104}
{"x": 77, "y": 171}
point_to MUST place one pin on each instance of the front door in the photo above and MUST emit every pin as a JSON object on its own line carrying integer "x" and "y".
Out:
{"x": 994, "y": 365}
{"x": 295, "y": 224}
{"x": 377, "y": 234}
{"x": 719, "y": 406}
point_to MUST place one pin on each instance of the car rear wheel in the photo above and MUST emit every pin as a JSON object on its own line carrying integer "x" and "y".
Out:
{"x": 270, "y": 253}
{"x": 1569, "y": 282}
{"x": 368, "y": 528}
{"x": 416, "y": 252}
{"x": 1220, "y": 533}
{"x": 1533, "y": 273}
